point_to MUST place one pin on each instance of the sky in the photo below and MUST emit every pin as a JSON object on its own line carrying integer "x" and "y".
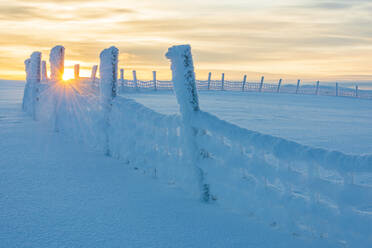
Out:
{"x": 306, "y": 39}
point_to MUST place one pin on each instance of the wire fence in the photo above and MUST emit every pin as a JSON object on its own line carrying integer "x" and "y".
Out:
{"x": 243, "y": 86}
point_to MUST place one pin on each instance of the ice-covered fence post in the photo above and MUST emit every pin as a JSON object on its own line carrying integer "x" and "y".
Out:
{"x": 244, "y": 81}
{"x": 336, "y": 89}
{"x": 317, "y": 88}
{"x": 209, "y": 80}
{"x": 122, "y": 78}
{"x": 183, "y": 77}
{"x": 76, "y": 71}
{"x": 57, "y": 61}
{"x": 261, "y": 84}
{"x": 34, "y": 80}
{"x": 108, "y": 70}
{"x": 279, "y": 84}
{"x": 298, "y": 85}
{"x": 356, "y": 91}
{"x": 135, "y": 79}
{"x": 154, "y": 79}
{"x": 223, "y": 81}
{"x": 94, "y": 73}
{"x": 26, "y": 103}
{"x": 44, "y": 76}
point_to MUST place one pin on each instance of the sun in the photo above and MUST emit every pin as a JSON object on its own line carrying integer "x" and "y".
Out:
{"x": 68, "y": 74}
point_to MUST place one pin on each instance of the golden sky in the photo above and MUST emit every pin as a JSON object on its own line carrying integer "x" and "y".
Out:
{"x": 307, "y": 39}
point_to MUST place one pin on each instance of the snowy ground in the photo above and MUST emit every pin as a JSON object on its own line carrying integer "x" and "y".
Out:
{"x": 58, "y": 193}
{"x": 335, "y": 123}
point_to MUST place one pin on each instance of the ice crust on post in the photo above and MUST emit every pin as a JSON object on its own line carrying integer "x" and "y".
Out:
{"x": 57, "y": 61}
{"x": 94, "y": 72}
{"x": 26, "y": 104}
{"x": 183, "y": 77}
{"x": 44, "y": 76}
{"x": 108, "y": 74}
{"x": 108, "y": 70}
{"x": 33, "y": 77}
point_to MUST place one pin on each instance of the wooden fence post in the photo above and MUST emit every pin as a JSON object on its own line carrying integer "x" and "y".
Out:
{"x": 183, "y": 77}
{"x": 336, "y": 89}
{"x": 154, "y": 80}
{"x": 244, "y": 81}
{"x": 279, "y": 84}
{"x": 135, "y": 79}
{"x": 261, "y": 84}
{"x": 44, "y": 76}
{"x": 209, "y": 80}
{"x": 122, "y": 77}
{"x": 76, "y": 71}
{"x": 121, "y": 74}
{"x": 35, "y": 77}
{"x": 317, "y": 88}
{"x": 108, "y": 70}
{"x": 223, "y": 81}
{"x": 57, "y": 61}
{"x": 356, "y": 91}
{"x": 26, "y": 102}
{"x": 94, "y": 73}
{"x": 298, "y": 85}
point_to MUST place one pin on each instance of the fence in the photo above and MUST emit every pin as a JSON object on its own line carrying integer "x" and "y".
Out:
{"x": 244, "y": 86}
{"x": 296, "y": 188}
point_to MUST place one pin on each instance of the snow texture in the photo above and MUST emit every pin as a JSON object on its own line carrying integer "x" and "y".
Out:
{"x": 56, "y": 192}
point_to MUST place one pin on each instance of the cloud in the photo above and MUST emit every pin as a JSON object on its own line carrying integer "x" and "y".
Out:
{"x": 21, "y": 12}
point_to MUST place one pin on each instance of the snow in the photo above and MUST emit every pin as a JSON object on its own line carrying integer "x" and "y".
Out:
{"x": 334, "y": 123}
{"x": 57, "y": 192}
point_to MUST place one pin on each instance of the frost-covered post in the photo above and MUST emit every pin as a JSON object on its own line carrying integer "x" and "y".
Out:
{"x": 33, "y": 79}
{"x": 244, "y": 81}
{"x": 261, "y": 84}
{"x": 26, "y": 103}
{"x": 317, "y": 88}
{"x": 356, "y": 91}
{"x": 183, "y": 77}
{"x": 57, "y": 63}
{"x": 76, "y": 71}
{"x": 298, "y": 85}
{"x": 209, "y": 80}
{"x": 135, "y": 79}
{"x": 336, "y": 89}
{"x": 94, "y": 73}
{"x": 44, "y": 76}
{"x": 122, "y": 76}
{"x": 154, "y": 79}
{"x": 223, "y": 81}
{"x": 279, "y": 84}
{"x": 108, "y": 70}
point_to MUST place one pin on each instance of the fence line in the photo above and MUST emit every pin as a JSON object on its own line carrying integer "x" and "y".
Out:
{"x": 245, "y": 86}
{"x": 305, "y": 190}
